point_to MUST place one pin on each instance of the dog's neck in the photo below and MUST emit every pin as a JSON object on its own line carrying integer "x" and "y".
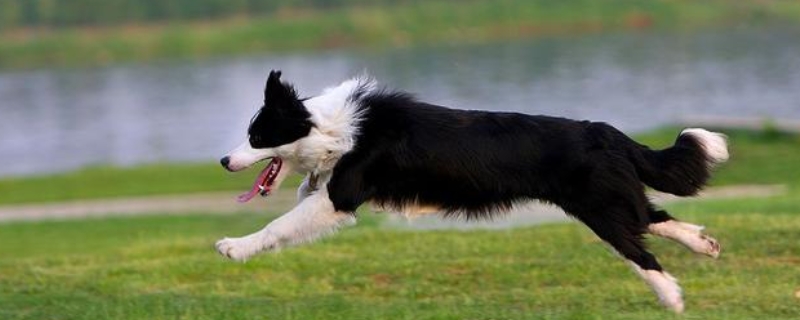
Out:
{"x": 336, "y": 115}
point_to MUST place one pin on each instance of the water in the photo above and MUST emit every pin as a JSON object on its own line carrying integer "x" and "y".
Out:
{"x": 55, "y": 120}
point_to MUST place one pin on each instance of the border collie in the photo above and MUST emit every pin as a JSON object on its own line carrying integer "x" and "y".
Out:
{"x": 357, "y": 143}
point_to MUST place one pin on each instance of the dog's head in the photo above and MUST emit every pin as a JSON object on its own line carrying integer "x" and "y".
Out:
{"x": 280, "y": 122}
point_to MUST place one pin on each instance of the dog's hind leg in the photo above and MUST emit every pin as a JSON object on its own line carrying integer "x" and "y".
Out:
{"x": 687, "y": 234}
{"x": 612, "y": 203}
{"x": 312, "y": 218}
{"x": 626, "y": 239}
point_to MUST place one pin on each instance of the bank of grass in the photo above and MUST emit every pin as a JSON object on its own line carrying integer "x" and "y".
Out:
{"x": 758, "y": 157}
{"x": 385, "y": 25}
{"x": 165, "y": 267}
{"x": 111, "y": 182}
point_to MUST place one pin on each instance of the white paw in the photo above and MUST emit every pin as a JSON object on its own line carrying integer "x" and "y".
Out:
{"x": 240, "y": 249}
{"x": 674, "y": 303}
{"x": 699, "y": 242}
{"x": 710, "y": 246}
{"x": 667, "y": 289}
{"x": 689, "y": 235}
{"x": 670, "y": 294}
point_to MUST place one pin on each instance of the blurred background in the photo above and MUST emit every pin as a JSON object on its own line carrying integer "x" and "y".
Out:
{"x": 126, "y": 82}
{"x": 111, "y": 107}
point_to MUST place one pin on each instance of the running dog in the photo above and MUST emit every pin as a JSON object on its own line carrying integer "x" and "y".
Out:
{"x": 357, "y": 143}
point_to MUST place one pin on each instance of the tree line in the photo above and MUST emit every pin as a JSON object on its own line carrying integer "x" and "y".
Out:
{"x": 64, "y": 13}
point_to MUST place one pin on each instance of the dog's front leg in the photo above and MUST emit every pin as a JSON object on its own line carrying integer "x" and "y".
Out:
{"x": 312, "y": 218}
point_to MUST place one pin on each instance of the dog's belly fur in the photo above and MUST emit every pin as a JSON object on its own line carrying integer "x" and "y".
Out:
{"x": 409, "y": 210}
{"x": 471, "y": 163}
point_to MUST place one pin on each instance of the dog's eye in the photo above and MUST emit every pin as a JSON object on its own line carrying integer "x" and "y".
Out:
{"x": 255, "y": 140}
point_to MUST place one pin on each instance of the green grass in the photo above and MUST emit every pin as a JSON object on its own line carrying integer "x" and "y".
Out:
{"x": 109, "y": 182}
{"x": 765, "y": 157}
{"x": 165, "y": 268}
{"x": 386, "y": 25}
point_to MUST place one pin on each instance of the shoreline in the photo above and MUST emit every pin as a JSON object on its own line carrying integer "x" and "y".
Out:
{"x": 384, "y": 26}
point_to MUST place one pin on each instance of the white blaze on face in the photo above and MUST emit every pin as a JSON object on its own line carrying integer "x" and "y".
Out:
{"x": 245, "y": 156}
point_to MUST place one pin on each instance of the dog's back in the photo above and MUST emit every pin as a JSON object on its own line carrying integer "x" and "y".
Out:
{"x": 475, "y": 163}
{"x": 359, "y": 144}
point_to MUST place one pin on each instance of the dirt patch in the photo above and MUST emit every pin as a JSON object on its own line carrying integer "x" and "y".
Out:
{"x": 225, "y": 202}
{"x": 216, "y": 202}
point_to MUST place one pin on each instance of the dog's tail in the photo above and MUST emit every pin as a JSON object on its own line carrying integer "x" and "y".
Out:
{"x": 684, "y": 168}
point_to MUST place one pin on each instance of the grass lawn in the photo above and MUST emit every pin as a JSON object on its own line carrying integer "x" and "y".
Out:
{"x": 159, "y": 267}
{"x": 166, "y": 268}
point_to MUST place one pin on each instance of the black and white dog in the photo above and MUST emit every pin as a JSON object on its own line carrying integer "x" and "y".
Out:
{"x": 357, "y": 143}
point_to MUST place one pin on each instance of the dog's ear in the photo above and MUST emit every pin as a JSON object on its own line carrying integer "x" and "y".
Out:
{"x": 275, "y": 90}
{"x": 282, "y": 98}
{"x": 274, "y": 78}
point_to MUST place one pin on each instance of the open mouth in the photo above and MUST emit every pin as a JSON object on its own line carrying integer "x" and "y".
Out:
{"x": 264, "y": 182}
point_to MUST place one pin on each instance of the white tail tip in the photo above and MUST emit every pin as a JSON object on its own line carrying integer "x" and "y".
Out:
{"x": 714, "y": 144}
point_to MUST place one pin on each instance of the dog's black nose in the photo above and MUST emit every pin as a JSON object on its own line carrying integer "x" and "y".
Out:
{"x": 225, "y": 161}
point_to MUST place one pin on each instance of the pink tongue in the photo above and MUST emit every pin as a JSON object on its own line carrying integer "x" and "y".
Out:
{"x": 262, "y": 181}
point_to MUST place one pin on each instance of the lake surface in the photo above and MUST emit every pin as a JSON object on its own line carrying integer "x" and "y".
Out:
{"x": 56, "y": 120}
